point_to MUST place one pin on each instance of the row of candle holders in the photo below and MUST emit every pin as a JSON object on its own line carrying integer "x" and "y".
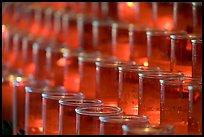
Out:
{"x": 163, "y": 15}
{"x": 158, "y": 102}
{"x": 97, "y": 76}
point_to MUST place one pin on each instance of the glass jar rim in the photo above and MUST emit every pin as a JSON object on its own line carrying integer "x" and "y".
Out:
{"x": 182, "y": 81}
{"x": 199, "y": 40}
{"x": 151, "y": 130}
{"x": 138, "y": 68}
{"x": 81, "y": 102}
{"x": 61, "y": 95}
{"x": 98, "y": 110}
{"x": 41, "y": 86}
{"x": 184, "y": 36}
{"x": 160, "y": 74}
{"x": 124, "y": 118}
{"x": 92, "y": 58}
{"x": 114, "y": 63}
{"x": 156, "y": 32}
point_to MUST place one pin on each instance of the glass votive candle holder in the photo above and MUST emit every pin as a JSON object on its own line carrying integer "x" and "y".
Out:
{"x": 70, "y": 29}
{"x": 162, "y": 15}
{"x": 8, "y": 78}
{"x": 39, "y": 59}
{"x": 18, "y": 51}
{"x": 56, "y": 63}
{"x": 181, "y": 53}
{"x": 183, "y": 20}
{"x": 112, "y": 125}
{"x": 128, "y": 11}
{"x": 33, "y": 105}
{"x": 67, "y": 114}
{"x": 90, "y": 116}
{"x": 87, "y": 72}
{"x": 138, "y": 44}
{"x": 197, "y": 17}
{"x": 107, "y": 80}
{"x": 159, "y": 47}
{"x": 9, "y": 48}
{"x": 176, "y": 103}
{"x": 85, "y": 30}
{"x": 197, "y": 58}
{"x": 50, "y": 109}
{"x": 195, "y": 108}
{"x": 71, "y": 71}
{"x": 28, "y": 61}
{"x": 150, "y": 130}
{"x": 18, "y": 106}
{"x": 102, "y": 36}
{"x": 149, "y": 103}
{"x": 120, "y": 41}
{"x": 128, "y": 91}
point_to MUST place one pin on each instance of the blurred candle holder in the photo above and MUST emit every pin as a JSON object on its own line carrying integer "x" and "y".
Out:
{"x": 162, "y": 15}
{"x": 9, "y": 48}
{"x": 28, "y": 60}
{"x": 183, "y": 19}
{"x": 8, "y": 78}
{"x": 138, "y": 44}
{"x": 197, "y": 17}
{"x": 84, "y": 26}
{"x": 159, "y": 47}
{"x": 18, "y": 106}
{"x": 40, "y": 59}
{"x": 181, "y": 53}
{"x": 71, "y": 29}
{"x": 128, "y": 11}
{"x": 120, "y": 41}
{"x": 101, "y": 36}
{"x": 56, "y": 63}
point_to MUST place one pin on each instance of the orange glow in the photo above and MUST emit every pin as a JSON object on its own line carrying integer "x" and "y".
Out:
{"x": 130, "y": 4}
{"x": 4, "y": 31}
{"x": 40, "y": 129}
{"x": 146, "y": 63}
{"x": 166, "y": 23}
{"x": 30, "y": 69}
{"x": 72, "y": 82}
{"x": 188, "y": 47}
{"x": 61, "y": 62}
{"x": 3, "y": 28}
{"x": 110, "y": 104}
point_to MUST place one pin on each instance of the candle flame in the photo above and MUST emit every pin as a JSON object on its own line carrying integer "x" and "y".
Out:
{"x": 145, "y": 64}
{"x": 3, "y": 28}
{"x": 130, "y": 4}
{"x": 61, "y": 62}
{"x": 167, "y": 23}
{"x": 188, "y": 47}
{"x": 18, "y": 79}
{"x": 40, "y": 129}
